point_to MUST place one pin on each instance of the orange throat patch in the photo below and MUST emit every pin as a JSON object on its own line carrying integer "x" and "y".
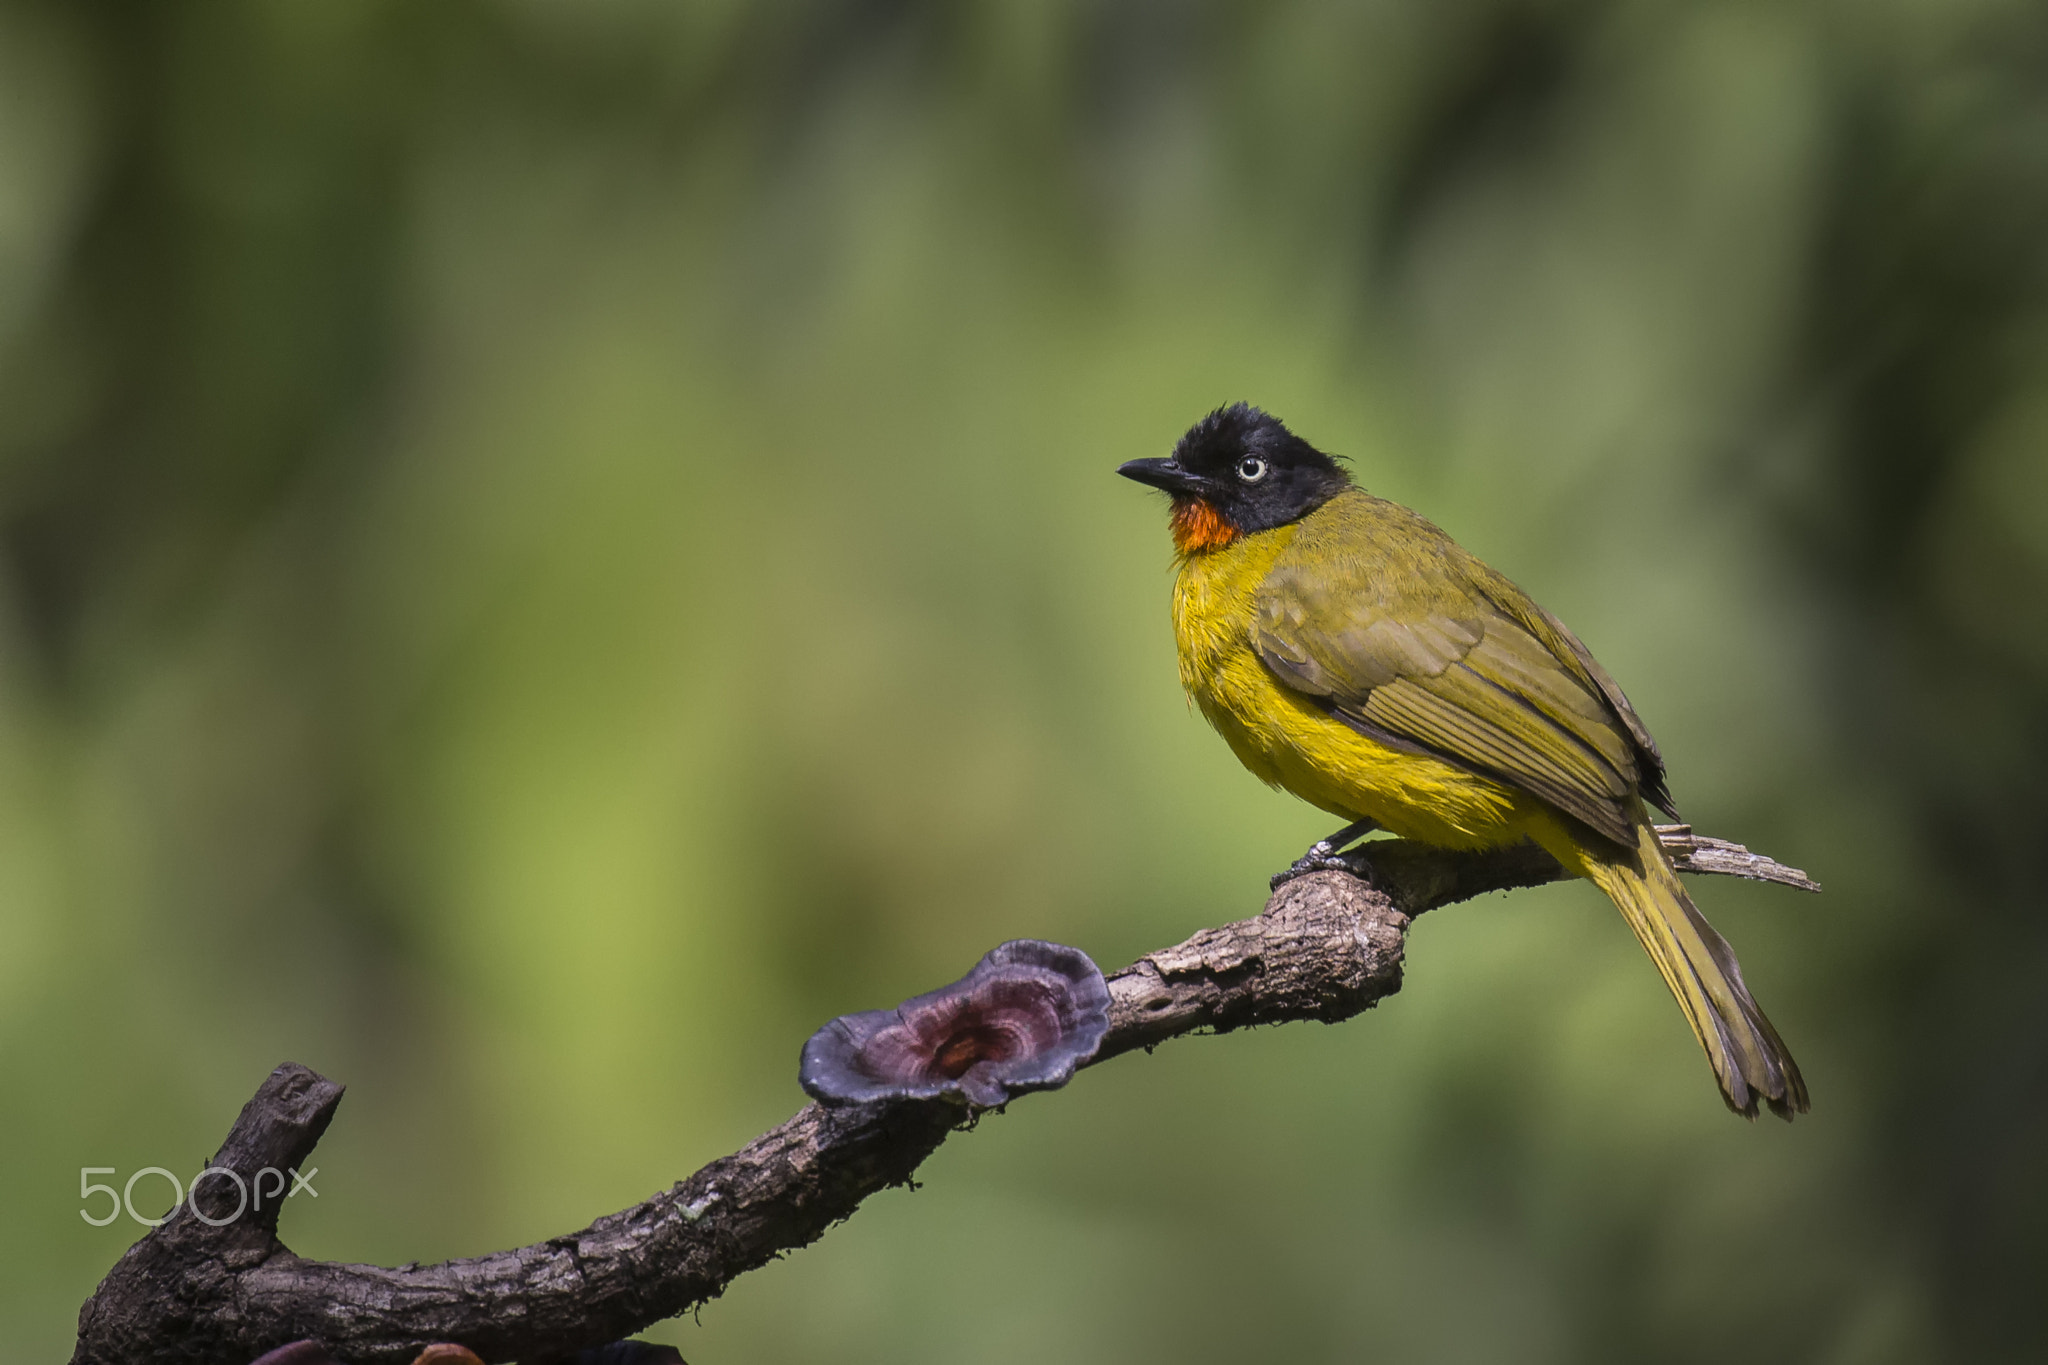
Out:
{"x": 1198, "y": 526}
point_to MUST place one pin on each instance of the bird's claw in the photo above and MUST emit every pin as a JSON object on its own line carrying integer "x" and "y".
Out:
{"x": 1317, "y": 859}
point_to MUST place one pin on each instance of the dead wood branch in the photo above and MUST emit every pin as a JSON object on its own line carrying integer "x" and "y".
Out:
{"x": 1325, "y": 947}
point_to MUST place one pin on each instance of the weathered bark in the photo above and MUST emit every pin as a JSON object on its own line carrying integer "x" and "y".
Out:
{"x": 1326, "y": 947}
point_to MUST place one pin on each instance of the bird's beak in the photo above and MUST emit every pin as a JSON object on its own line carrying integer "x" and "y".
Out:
{"x": 1167, "y": 475}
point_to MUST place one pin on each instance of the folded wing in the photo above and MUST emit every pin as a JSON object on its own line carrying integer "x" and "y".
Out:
{"x": 1416, "y": 643}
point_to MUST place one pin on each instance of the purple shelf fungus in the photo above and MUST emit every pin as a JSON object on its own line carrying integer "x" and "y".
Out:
{"x": 307, "y": 1352}
{"x": 311, "y": 1352}
{"x": 1024, "y": 1019}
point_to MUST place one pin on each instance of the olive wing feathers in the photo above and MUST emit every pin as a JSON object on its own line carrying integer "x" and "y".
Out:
{"x": 1407, "y": 638}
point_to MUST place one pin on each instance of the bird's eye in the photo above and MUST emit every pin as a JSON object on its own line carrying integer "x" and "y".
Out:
{"x": 1251, "y": 469}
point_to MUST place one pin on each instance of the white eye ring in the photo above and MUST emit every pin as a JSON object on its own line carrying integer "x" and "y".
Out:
{"x": 1251, "y": 469}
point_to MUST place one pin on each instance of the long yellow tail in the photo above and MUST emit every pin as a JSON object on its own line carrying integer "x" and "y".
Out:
{"x": 1750, "y": 1061}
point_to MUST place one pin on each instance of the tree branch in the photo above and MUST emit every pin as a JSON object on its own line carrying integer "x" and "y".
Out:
{"x": 1326, "y": 947}
{"x": 1419, "y": 877}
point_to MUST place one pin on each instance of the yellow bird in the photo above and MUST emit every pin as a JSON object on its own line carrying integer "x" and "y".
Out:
{"x": 1352, "y": 653}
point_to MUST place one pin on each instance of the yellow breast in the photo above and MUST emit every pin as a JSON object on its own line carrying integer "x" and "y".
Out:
{"x": 1289, "y": 741}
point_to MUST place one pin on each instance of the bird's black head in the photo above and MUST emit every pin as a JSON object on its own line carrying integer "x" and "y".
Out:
{"x": 1236, "y": 472}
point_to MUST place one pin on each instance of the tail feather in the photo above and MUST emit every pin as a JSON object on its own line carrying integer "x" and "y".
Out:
{"x": 1749, "y": 1059}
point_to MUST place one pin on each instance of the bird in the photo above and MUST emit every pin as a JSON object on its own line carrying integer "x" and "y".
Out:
{"x": 1350, "y": 652}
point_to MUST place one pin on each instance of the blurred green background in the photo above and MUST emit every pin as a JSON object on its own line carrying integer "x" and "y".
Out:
{"x": 546, "y": 549}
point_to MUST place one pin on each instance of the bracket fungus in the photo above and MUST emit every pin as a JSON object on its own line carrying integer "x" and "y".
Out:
{"x": 1024, "y": 1019}
{"x": 312, "y": 1352}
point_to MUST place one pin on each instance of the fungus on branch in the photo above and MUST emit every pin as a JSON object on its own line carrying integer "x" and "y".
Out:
{"x": 1027, "y": 1015}
{"x": 1326, "y": 947}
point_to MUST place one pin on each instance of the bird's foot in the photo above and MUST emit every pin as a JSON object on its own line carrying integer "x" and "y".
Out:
{"x": 1326, "y": 855}
{"x": 1313, "y": 861}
